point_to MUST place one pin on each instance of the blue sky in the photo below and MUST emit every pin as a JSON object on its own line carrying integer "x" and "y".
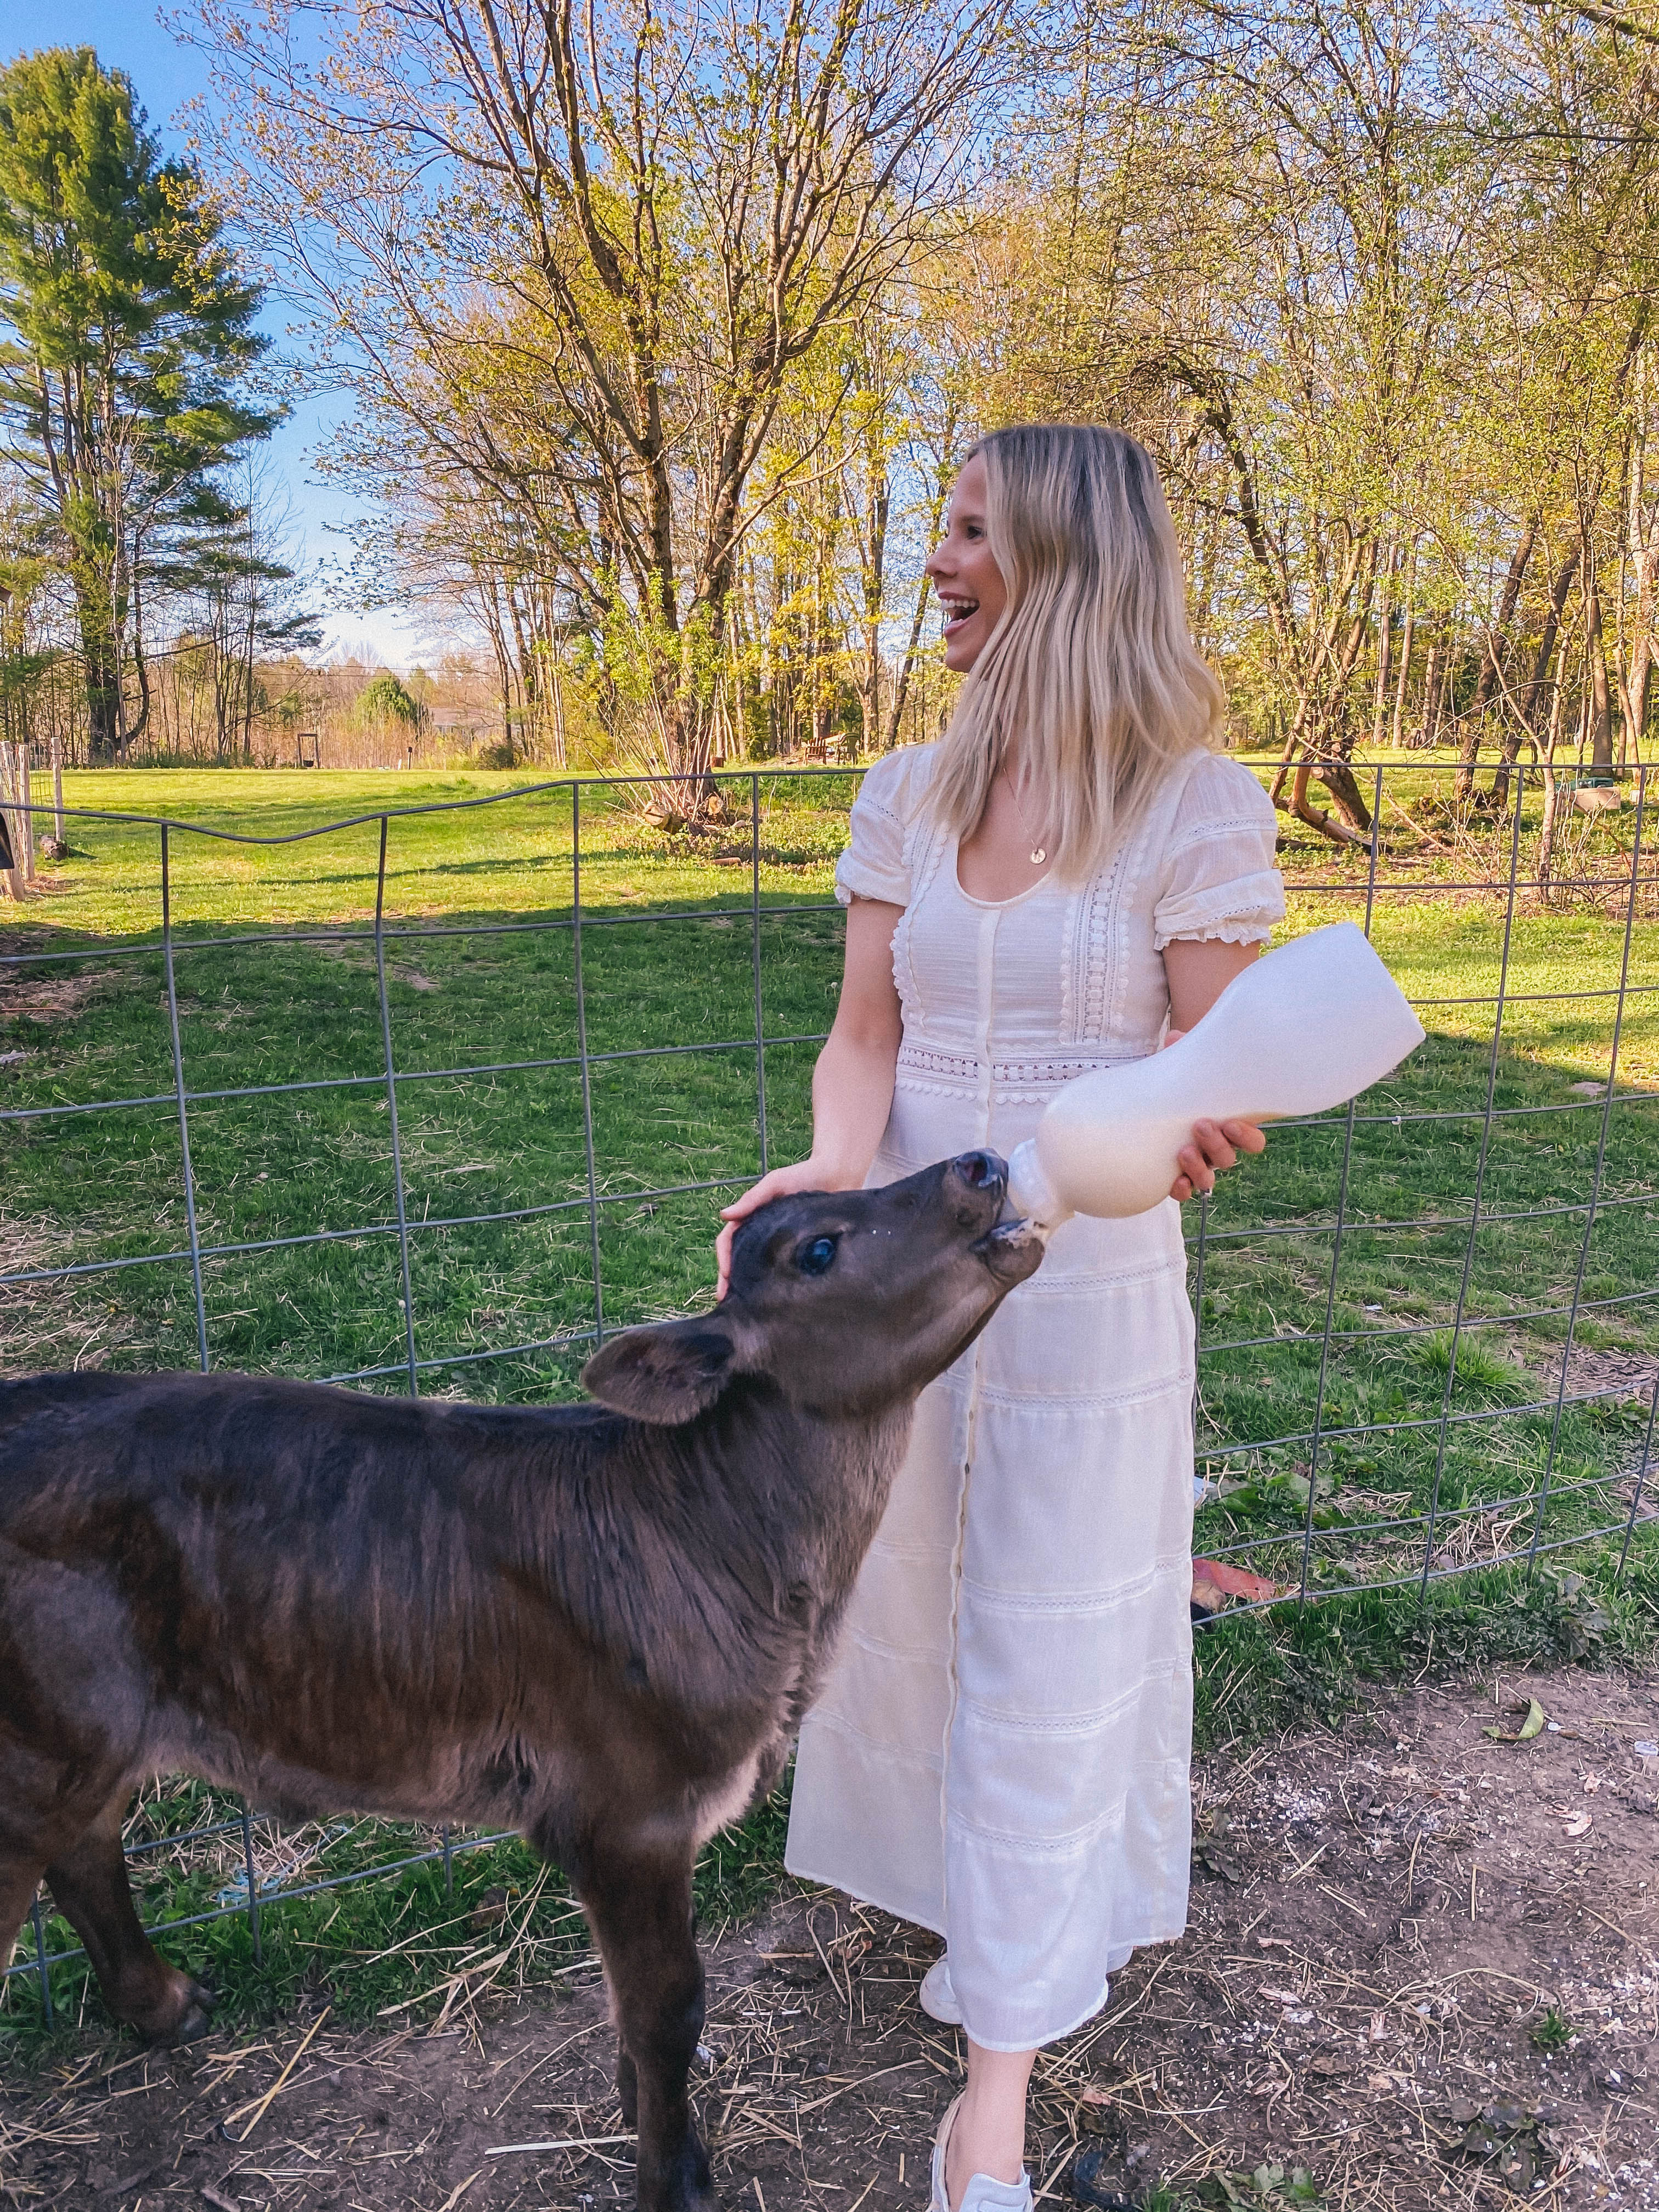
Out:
{"x": 165, "y": 76}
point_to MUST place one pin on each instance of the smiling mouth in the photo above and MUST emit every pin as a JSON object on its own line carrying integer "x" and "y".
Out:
{"x": 957, "y": 611}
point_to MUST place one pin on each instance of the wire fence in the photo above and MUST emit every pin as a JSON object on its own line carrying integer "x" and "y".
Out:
{"x": 1426, "y": 1323}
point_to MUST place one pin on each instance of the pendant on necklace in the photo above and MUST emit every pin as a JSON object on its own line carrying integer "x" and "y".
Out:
{"x": 1039, "y": 854}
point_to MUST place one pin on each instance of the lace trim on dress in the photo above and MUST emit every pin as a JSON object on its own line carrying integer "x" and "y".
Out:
{"x": 1246, "y": 932}
{"x": 964, "y": 1069}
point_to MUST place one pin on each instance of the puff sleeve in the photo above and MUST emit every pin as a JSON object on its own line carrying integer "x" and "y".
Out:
{"x": 1219, "y": 878}
{"x": 876, "y": 863}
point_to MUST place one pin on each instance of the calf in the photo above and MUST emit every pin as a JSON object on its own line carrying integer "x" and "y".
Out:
{"x": 601, "y": 1623}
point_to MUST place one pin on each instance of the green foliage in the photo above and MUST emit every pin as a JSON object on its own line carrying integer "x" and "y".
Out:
{"x": 1477, "y": 1367}
{"x": 1554, "y": 2032}
{"x": 1268, "y": 2188}
{"x": 383, "y": 698}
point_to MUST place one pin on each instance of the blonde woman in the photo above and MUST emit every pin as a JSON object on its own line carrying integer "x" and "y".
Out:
{"x": 1068, "y": 877}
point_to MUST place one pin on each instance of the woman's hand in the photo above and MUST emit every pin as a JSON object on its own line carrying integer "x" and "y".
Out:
{"x": 852, "y": 1082}
{"x": 783, "y": 1183}
{"x": 1215, "y": 1146}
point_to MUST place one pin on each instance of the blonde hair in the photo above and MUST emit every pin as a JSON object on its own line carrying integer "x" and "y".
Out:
{"x": 1091, "y": 676}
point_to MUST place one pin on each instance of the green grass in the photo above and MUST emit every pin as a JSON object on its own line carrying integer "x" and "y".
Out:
{"x": 1554, "y": 2032}
{"x": 499, "y": 985}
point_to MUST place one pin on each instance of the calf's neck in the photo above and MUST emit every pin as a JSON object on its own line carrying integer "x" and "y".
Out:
{"x": 598, "y": 1623}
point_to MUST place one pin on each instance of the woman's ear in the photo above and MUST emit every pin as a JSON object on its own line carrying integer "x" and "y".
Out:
{"x": 667, "y": 1374}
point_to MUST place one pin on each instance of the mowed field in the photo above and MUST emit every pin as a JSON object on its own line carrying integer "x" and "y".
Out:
{"x": 1329, "y": 1419}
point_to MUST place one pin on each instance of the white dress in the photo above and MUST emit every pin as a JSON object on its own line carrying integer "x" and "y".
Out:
{"x": 1002, "y": 1751}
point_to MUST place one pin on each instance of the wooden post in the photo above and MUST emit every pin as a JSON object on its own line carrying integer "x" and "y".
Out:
{"x": 58, "y": 787}
{"x": 12, "y": 870}
{"x": 26, "y": 793}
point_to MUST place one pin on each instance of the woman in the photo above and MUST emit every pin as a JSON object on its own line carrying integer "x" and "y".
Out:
{"x": 1068, "y": 879}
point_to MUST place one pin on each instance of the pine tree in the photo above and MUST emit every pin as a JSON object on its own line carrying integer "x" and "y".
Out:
{"x": 122, "y": 379}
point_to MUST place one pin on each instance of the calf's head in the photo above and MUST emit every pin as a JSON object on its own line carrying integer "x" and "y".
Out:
{"x": 845, "y": 1301}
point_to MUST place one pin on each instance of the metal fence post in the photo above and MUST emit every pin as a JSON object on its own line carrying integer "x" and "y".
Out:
{"x": 392, "y": 1109}
{"x": 581, "y": 1049}
{"x": 252, "y": 1889}
{"x": 1640, "y": 1482}
{"x": 1317, "y": 1437}
{"x": 183, "y": 1108}
{"x": 1460, "y": 1307}
{"x": 41, "y": 1968}
{"x": 1596, "y": 1175}
{"x": 755, "y": 909}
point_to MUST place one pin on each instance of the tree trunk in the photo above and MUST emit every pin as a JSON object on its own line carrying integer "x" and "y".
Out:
{"x": 561, "y": 750}
{"x": 1595, "y": 654}
{"x": 1539, "y": 677}
{"x": 1385, "y": 644}
{"x": 1320, "y": 706}
{"x": 1406, "y": 640}
{"x": 1432, "y": 685}
{"x": 1492, "y": 666}
{"x": 924, "y": 590}
{"x": 1551, "y": 799}
{"x": 100, "y": 664}
{"x": 880, "y": 496}
{"x": 1642, "y": 533}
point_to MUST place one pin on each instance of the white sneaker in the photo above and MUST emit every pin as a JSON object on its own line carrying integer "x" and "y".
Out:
{"x": 982, "y": 2194}
{"x": 936, "y": 1996}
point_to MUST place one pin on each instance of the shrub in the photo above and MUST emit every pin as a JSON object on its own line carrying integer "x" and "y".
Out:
{"x": 384, "y": 699}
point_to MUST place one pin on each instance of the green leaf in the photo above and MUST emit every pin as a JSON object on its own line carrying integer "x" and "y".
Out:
{"x": 1532, "y": 1726}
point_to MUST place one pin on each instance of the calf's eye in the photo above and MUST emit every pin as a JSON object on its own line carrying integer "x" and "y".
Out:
{"x": 816, "y": 1258}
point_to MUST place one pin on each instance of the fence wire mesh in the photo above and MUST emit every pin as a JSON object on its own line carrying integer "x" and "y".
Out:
{"x": 253, "y": 1068}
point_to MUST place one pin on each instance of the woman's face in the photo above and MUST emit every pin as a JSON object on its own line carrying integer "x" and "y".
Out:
{"x": 967, "y": 581}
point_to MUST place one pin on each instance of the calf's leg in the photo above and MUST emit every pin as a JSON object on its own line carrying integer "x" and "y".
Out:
{"x": 88, "y": 1883}
{"x": 627, "y": 2082}
{"x": 19, "y": 1880}
{"x": 640, "y": 1904}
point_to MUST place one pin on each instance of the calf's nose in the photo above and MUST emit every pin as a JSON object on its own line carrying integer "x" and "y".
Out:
{"x": 982, "y": 1171}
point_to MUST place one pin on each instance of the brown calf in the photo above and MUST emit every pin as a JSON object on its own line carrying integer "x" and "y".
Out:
{"x": 598, "y": 1623}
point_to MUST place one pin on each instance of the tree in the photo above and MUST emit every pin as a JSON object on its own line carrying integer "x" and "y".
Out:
{"x": 130, "y": 333}
{"x": 674, "y": 205}
{"x": 240, "y": 600}
{"x": 385, "y": 698}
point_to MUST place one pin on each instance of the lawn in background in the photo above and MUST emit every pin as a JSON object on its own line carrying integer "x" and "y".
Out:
{"x": 277, "y": 980}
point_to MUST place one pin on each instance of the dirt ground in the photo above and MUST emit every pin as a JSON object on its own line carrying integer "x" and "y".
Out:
{"x": 1421, "y": 1966}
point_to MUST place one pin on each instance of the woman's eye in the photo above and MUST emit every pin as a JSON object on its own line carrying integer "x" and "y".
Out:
{"x": 814, "y": 1258}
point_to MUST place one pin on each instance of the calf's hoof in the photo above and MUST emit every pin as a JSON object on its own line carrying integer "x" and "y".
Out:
{"x": 688, "y": 2186}
{"x": 183, "y": 2014}
{"x": 197, "y": 2019}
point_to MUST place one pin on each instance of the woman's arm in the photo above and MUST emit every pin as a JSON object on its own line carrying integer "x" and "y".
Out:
{"x": 1199, "y": 971}
{"x": 852, "y": 1082}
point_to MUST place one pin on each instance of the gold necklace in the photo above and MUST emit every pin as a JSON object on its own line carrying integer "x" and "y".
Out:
{"x": 1039, "y": 853}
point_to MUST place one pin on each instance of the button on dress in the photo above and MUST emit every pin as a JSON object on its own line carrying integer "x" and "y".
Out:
{"x": 1002, "y": 1751}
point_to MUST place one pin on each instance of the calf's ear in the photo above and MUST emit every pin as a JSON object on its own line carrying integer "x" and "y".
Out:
{"x": 667, "y": 1374}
